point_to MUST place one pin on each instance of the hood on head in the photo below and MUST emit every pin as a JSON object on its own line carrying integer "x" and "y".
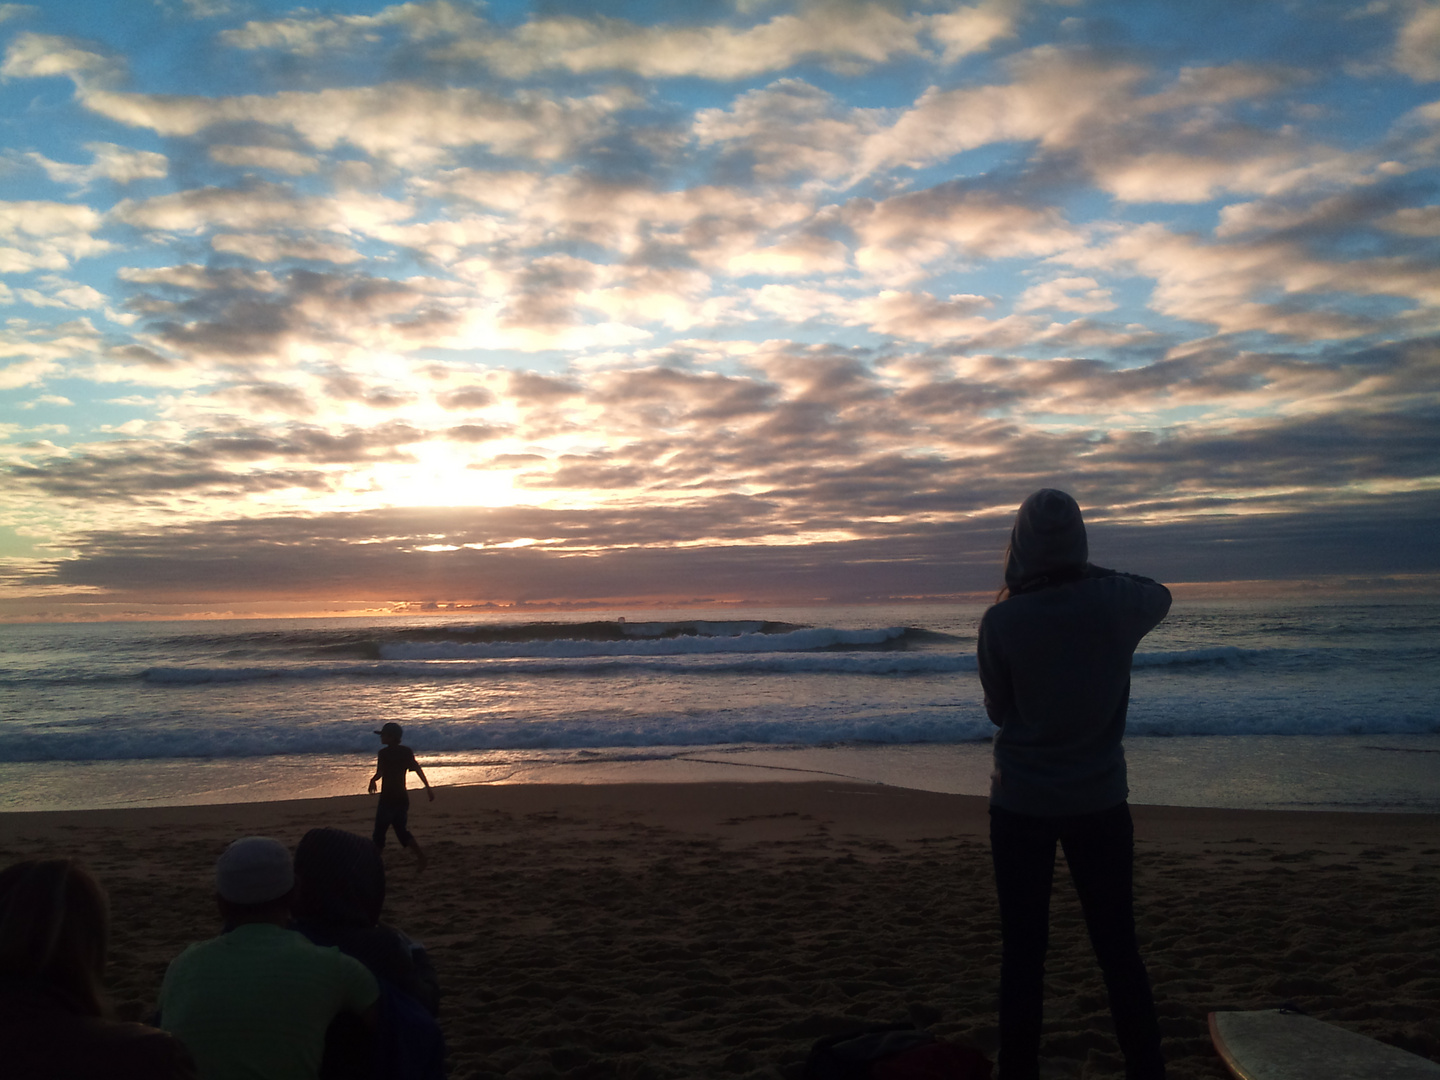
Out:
{"x": 1048, "y": 538}
{"x": 339, "y": 879}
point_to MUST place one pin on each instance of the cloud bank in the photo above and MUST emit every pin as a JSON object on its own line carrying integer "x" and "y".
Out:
{"x": 434, "y": 303}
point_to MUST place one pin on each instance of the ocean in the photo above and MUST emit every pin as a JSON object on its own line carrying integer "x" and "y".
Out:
{"x": 1324, "y": 704}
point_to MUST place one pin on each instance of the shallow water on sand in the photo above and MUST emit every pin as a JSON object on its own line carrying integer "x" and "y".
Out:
{"x": 1398, "y": 773}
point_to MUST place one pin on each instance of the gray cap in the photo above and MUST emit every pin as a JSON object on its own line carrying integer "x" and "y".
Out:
{"x": 254, "y": 870}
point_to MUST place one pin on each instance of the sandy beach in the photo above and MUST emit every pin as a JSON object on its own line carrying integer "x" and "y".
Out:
{"x": 713, "y": 929}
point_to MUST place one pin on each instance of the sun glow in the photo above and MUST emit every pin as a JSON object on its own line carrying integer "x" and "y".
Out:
{"x": 444, "y": 476}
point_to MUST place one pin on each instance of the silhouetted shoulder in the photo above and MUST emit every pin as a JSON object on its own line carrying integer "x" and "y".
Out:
{"x": 49, "y": 1043}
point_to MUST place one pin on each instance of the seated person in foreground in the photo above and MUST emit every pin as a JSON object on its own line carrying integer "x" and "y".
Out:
{"x": 256, "y": 1001}
{"x": 54, "y": 1017}
{"x": 339, "y": 892}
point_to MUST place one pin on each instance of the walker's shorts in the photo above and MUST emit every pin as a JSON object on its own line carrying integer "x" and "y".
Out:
{"x": 388, "y": 814}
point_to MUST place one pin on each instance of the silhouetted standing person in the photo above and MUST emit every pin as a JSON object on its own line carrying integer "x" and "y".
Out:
{"x": 391, "y": 767}
{"x": 1054, "y": 658}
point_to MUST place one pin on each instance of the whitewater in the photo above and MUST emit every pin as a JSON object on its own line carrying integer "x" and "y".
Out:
{"x": 239, "y": 706}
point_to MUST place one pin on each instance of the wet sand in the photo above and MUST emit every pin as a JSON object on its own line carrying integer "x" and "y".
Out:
{"x": 714, "y": 929}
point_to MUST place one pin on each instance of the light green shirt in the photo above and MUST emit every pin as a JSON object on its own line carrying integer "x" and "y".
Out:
{"x": 254, "y": 1004}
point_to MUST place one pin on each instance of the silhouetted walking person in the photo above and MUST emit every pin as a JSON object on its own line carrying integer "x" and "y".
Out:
{"x": 391, "y": 767}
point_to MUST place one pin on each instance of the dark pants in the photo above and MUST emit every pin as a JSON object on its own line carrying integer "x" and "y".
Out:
{"x": 388, "y": 814}
{"x": 1100, "y": 849}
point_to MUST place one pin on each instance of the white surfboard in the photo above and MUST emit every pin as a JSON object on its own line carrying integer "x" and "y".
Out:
{"x": 1273, "y": 1044}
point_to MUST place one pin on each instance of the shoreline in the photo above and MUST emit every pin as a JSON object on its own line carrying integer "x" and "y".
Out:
{"x": 690, "y": 805}
{"x": 1378, "y": 774}
{"x": 717, "y": 929}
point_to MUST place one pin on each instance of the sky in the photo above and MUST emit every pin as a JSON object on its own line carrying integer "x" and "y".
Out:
{"x": 455, "y": 306}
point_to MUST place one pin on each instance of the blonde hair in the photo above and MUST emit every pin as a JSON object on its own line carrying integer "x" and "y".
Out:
{"x": 55, "y": 930}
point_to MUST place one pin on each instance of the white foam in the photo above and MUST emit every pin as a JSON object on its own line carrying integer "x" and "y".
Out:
{"x": 442, "y": 666}
{"x": 647, "y": 645}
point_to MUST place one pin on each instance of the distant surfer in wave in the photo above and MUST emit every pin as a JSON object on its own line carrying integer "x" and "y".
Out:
{"x": 1054, "y": 658}
{"x": 391, "y": 767}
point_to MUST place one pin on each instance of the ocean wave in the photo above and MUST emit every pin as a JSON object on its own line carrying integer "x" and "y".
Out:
{"x": 660, "y": 639}
{"x": 265, "y": 739}
{"x": 1283, "y": 722}
{"x": 1215, "y": 656}
{"x": 943, "y": 724}
{"x": 369, "y": 641}
{"x": 816, "y": 651}
{"x": 437, "y": 667}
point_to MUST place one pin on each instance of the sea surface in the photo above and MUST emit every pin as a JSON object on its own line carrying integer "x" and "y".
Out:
{"x": 1252, "y": 703}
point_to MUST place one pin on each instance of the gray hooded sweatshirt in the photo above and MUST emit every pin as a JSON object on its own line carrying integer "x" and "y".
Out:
{"x": 1054, "y": 661}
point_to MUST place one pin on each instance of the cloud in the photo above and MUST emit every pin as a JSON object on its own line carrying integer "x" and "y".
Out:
{"x": 922, "y": 317}
{"x": 699, "y": 290}
{"x": 36, "y": 56}
{"x": 242, "y": 316}
{"x": 42, "y": 350}
{"x": 1300, "y": 217}
{"x": 504, "y": 189}
{"x": 1417, "y": 47}
{"x": 707, "y": 224}
{"x": 390, "y": 555}
{"x": 132, "y": 472}
{"x": 952, "y": 221}
{"x": 789, "y": 129}
{"x": 796, "y": 304}
{"x": 405, "y": 123}
{"x": 802, "y": 253}
{"x": 1079, "y": 294}
{"x": 666, "y": 398}
{"x": 476, "y": 433}
{"x": 272, "y": 158}
{"x": 38, "y": 235}
{"x": 260, "y": 205}
{"x": 678, "y": 298}
{"x": 1246, "y": 163}
{"x": 967, "y": 30}
{"x": 110, "y": 162}
{"x": 1055, "y": 97}
{"x": 826, "y": 440}
{"x": 308, "y": 34}
{"x": 846, "y": 35}
{"x": 32, "y": 372}
{"x": 532, "y": 388}
{"x": 193, "y": 276}
{"x": 58, "y": 292}
{"x": 466, "y": 397}
{"x": 269, "y": 248}
{"x": 1270, "y": 285}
